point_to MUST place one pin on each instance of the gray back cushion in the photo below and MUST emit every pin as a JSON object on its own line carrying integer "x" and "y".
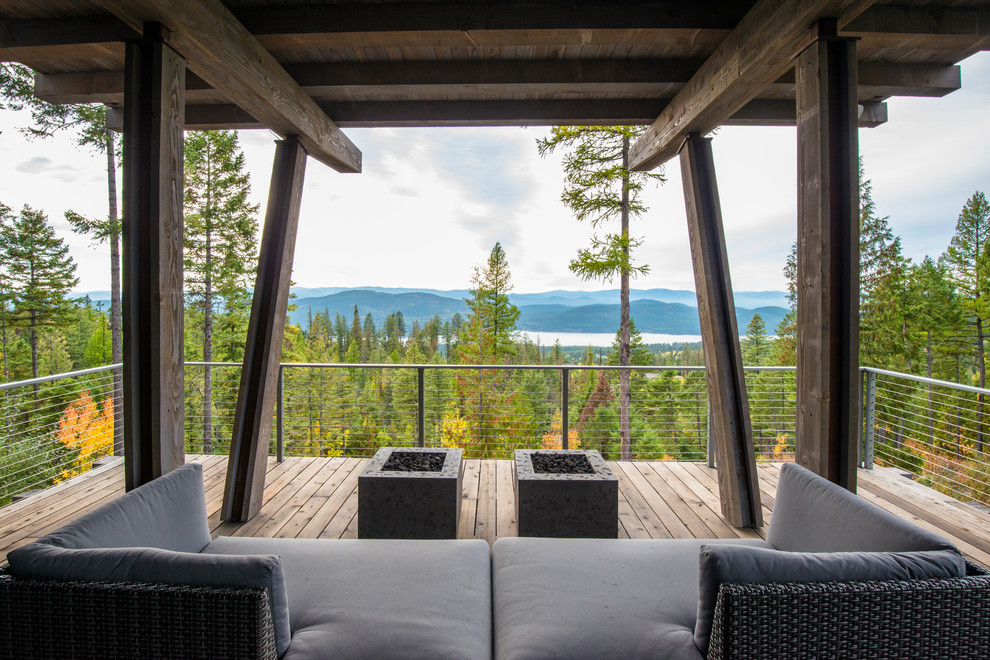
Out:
{"x": 43, "y": 561}
{"x": 812, "y": 514}
{"x": 749, "y": 565}
{"x": 168, "y": 513}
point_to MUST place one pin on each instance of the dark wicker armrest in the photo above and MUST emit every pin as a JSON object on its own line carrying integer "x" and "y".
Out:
{"x": 942, "y": 618}
{"x": 63, "y": 619}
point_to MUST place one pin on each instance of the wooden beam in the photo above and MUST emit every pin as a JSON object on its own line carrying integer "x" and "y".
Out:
{"x": 64, "y": 31}
{"x": 245, "y": 486}
{"x": 357, "y": 81}
{"x": 387, "y": 17}
{"x": 619, "y": 112}
{"x": 828, "y": 261}
{"x": 152, "y": 261}
{"x": 921, "y": 20}
{"x": 738, "y": 485}
{"x": 224, "y": 54}
{"x": 759, "y": 112}
{"x": 759, "y": 50}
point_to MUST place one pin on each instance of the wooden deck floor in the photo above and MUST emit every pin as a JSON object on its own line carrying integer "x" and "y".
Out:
{"x": 317, "y": 498}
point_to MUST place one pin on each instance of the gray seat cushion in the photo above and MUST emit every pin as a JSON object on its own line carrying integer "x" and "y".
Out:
{"x": 596, "y": 598}
{"x": 744, "y": 565}
{"x": 811, "y": 514}
{"x": 40, "y": 560}
{"x": 168, "y": 513}
{"x": 382, "y": 598}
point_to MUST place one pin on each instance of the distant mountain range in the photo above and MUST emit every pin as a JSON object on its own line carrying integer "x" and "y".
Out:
{"x": 751, "y": 299}
{"x": 664, "y": 311}
{"x": 654, "y": 310}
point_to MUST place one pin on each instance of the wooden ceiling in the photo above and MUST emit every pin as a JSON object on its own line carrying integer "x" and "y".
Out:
{"x": 468, "y": 62}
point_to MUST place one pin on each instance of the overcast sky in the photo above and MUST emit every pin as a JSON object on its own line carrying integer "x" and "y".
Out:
{"x": 431, "y": 203}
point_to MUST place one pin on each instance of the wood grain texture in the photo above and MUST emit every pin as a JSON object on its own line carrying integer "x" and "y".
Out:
{"x": 154, "y": 397}
{"x": 223, "y": 53}
{"x": 508, "y": 79}
{"x": 252, "y": 424}
{"x": 757, "y": 52}
{"x": 728, "y": 402}
{"x": 827, "y": 426}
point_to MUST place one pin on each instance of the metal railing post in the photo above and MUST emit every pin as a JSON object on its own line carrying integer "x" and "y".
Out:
{"x": 869, "y": 419}
{"x": 708, "y": 434}
{"x": 280, "y": 416}
{"x": 861, "y": 440}
{"x": 421, "y": 395}
{"x": 565, "y": 377}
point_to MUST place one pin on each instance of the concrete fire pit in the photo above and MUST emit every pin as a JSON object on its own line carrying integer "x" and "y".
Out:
{"x": 581, "y": 502}
{"x": 408, "y": 493}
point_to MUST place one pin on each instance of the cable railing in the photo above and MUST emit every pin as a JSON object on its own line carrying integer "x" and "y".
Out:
{"x": 932, "y": 430}
{"x": 56, "y": 427}
{"x": 354, "y": 409}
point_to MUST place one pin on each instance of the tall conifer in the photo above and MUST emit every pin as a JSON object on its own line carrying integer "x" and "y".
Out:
{"x": 220, "y": 247}
{"x": 600, "y": 187}
{"x": 967, "y": 261}
{"x": 40, "y": 273}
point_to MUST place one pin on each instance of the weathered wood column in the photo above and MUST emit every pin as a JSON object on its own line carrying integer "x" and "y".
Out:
{"x": 245, "y": 486}
{"x": 154, "y": 105}
{"x": 828, "y": 258}
{"x": 738, "y": 485}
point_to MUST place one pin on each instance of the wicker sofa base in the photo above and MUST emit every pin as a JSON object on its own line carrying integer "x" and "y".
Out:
{"x": 945, "y": 618}
{"x": 63, "y": 619}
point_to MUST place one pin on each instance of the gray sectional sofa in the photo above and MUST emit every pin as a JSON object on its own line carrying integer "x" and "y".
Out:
{"x": 836, "y": 577}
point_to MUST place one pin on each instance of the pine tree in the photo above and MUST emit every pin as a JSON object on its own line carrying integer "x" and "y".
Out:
{"x": 599, "y": 187}
{"x": 220, "y": 245}
{"x": 882, "y": 292}
{"x": 967, "y": 262}
{"x": 40, "y": 273}
{"x": 936, "y": 316}
{"x": 755, "y": 346}
{"x": 490, "y": 306}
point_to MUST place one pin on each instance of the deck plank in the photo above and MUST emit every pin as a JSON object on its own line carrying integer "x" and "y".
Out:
{"x": 654, "y": 527}
{"x": 310, "y": 497}
{"x": 666, "y": 515}
{"x": 470, "y": 482}
{"x": 348, "y": 474}
{"x": 485, "y": 524}
{"x": 505, "y": 501}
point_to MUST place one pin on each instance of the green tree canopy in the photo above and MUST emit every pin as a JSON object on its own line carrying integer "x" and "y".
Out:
{"x": 220, "y": 247}
{"x": 40, "y": 274}
{"x": 756, "y": 345}
{"x": 490, "y": 307}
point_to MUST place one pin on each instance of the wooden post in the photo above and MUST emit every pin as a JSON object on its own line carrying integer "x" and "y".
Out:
{"x": 828, "y": 258}
{"x": 154, "y": 104}
{"x": 245, "y": 485}
{"x": 730, "y": 426}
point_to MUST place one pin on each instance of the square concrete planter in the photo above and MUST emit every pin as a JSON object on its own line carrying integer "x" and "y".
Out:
{"x": 410, "y": 505}
{"x": 566, "y": 505}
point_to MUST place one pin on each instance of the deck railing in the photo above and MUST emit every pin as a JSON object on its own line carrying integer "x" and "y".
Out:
{"x": 351, "y": 409}
{"x": 55, "y": 427}
{"x": 939, "y": 432}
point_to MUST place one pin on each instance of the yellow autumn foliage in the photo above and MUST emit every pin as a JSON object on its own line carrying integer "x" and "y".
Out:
{"x": 87, "y": 429}
{"x": 555, "y": 438}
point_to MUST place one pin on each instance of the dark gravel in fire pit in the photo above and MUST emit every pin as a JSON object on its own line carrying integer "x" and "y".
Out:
{"x": 562, "y": 464}
{"x": 408, "y": 461}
